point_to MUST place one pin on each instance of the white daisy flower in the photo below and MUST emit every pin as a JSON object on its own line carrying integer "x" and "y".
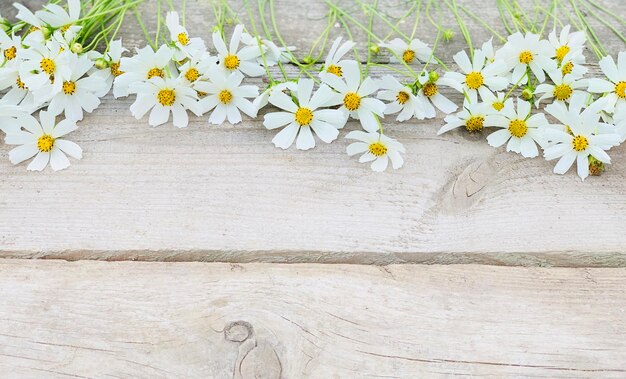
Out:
{"x": 582, "y": 139}
{"x": 113, "y": 58}
{"x": 376, "y": 148}
{"x": 19, "y": 93}
{"x": 334, "y": 60}
{"x": 78, "y": 93}
{"x": 302, "y": 116}
{"x": 354, "y": 94}
{"x": 573, "y": 64}
{"x": 184, "y": 46}
{"x": 487, "y": 49}
{"x": 471, "y": 117}
{"x": 429, "y": 93}
{"x": 615, "y": 87}
{"x": 231, "y": 59}
{"x": 44, "y": 69}
{"x": 495, "y": 100}
{"x": 226, "y": 97}
{"x": 164, "y": 96}
{"x": 35, "y": 35}
{"x": 271, "y": 52}
{"x": 401, "y": 99}
{"x": 522, "y": 130}
{"x": 562, "y": 89}
{"x": 10, "y": 46}
{"x": 527, "y": 51}
{"x": 263, "y": 99}
{"x": 44, "y": 142}
{"x": 477, "y": 77}
{"x": 567, "y": 43}
{"x": 147, "y": 64}
{"x": 58, "y": 18}
{"x": 408, "y": 52}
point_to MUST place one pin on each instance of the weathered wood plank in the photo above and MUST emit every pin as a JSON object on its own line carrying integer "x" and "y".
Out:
{"x": 226, "y": 194}
{"x": 192, "y": 320}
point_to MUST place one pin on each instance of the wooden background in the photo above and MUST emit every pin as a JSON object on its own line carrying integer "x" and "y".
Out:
{"x": 225, "y": 194}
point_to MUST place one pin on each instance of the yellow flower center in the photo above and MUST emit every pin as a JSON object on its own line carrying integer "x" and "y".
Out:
{"x": 65, "y": 28}
{"x": 408, "y": 56}
{"x": 518, "y": 128}
{"x": 430, "y": 89}
{"x": 183, "y": 39}
{"x": 561, "y": 52}
{"x": 166, "y": 97}
{"x": 378, "y": 149}
{"x": 580, "y": 143}
{"x": 69, "y": 88}
{"x": 154, "y": 72}
{"x": 498, "y": 105}
{"x": 525, "y": 57}
{"x": 402, "y": 97}
{"x": 192, "y": 75}
{"x": 231, "y": 62}
{"x": 562, "y": 92}
{"x": 225, "y": 96}
{"x": 567, "y": 68}
{"x": 474, "y": 124}
{"x": 474, "y": 80}
{"x": 47, "y": 65}
{"x": 335, "y": 70}
{"x": 20, "y": 84}
{"x": 352, "y": 101}
{"x": 304, "y": 116}
{"x": 620, "y": 90}
{"x": 115, "y": 69}
{"x": 201, "y": 94}
{"x": 10, "y": 53}
{"x": 45, "y": 143}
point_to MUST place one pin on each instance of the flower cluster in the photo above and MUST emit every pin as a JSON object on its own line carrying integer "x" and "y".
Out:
{"x": 585, "y": 126}
{"x": 44, "y": 68}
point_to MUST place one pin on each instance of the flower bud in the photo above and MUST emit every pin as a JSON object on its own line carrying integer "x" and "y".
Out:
{"x": 433, "y": 76}
{"x": 47, "y": 32}
{"x": 527, "y": 94}
{"x": 448, "y": 34}
{"x": 308, "y": 59}
{"x": 101, "y": 64}
{"x": 76, "y": 48}
{"x": 595, "y": 166}
{"x": 375, "y": 49}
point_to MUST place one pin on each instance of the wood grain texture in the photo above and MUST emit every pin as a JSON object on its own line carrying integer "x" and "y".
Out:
{"x": 199, "y": 320}
{"x": 226, "y": 194}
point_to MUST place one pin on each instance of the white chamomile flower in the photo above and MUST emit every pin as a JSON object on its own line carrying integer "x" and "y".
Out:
{"x": 562, "y": 89}
{"x": 19, "y": 93}
{"x": 477, "y": 77}
{"x": 487, "y": 49}
{"x": 272, "y": 54}
{"x": 401, "y": 99}
{"x": 522, "y": 52}
{"x": 10, "y": 46}
{"x": 408, "y": 52}
{"x": 113, "y": 58}
{"x": 566, "y": 42}
{"x": 8, "y": 115}
{"x": 44, "y": 69}
{"x": 581, "y": 139}
{"x": 522, "y": 130}
{"x": 44, "y": 142}
{"x": 471, "y": 117}
{"x": 334, "y": 60}
{"x": 164, "y": 96}
{"x": 226, "y": 97}
{"x": 263, "y": 99}
{"x": 232, "y": 59}
{"x": 147, "y": 64}
{"x": 429, "y": 93}
{"x": 495, "y": 100}
{"x": 35, "y": 34}
{"x": 184, "y": 46}
{"x": 615, "y": 86}
{"x": 376, "y": 148}
{"x": 301, "y": 117}
{"x": 353, "y": 96}
{"x": 78, "y": 93}
{"x": 573, "y": 65}
{"x": 57, "y": 17}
